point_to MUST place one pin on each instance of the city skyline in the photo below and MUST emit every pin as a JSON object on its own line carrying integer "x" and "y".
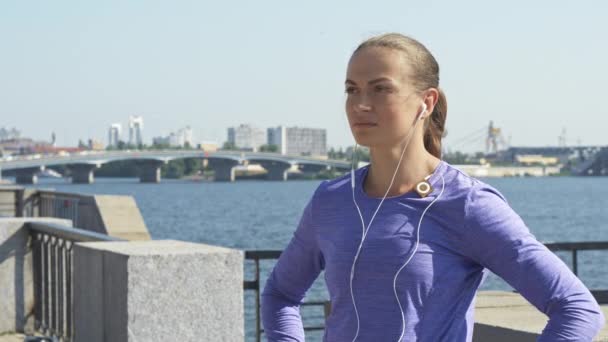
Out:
{"x": 214, "y": 66}
{"x": 177, "y": 137}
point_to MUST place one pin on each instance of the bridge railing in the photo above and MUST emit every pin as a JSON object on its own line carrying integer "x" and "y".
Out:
{"x": 256, "y": 255}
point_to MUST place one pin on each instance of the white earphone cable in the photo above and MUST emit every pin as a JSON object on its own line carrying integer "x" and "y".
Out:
{"x": 365, "y": 230}
{"x": 410, "y": 258}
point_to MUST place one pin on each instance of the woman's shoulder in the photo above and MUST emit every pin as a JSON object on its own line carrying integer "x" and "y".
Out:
{"x": 466, "y": 184}
{"x": 329, "y": 188}
{"x": 481, "y": 201}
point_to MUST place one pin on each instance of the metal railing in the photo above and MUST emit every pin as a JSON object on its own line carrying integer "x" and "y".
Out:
{"x": 574, "y": 247}
{"x": 81, "y": 209}
{"x": 254, "y": 285}
{"x": 58, "y": 205}
{"x": 52, "y": 268}
{"x": 39, "y": 203}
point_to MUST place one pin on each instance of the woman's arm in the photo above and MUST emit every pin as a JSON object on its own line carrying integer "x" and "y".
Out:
{"x": 498, "y": 239}
{"x": 295, "y": 271}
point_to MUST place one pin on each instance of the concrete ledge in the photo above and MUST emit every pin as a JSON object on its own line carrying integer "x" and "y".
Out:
{"x": 158, "y": 290}
{"x": 507, "y": 316}
{"x": 121, "y": 217}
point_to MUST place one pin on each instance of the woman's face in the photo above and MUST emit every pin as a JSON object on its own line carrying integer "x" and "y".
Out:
{"x": 381, "y": 104}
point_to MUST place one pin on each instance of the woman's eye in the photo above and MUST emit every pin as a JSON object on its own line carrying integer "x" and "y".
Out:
{"x": 350, "y": 90}
{"x": 380, "y": 88}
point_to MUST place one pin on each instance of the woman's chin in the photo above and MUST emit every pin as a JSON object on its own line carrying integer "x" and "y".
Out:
{"x": 364, "y": 141}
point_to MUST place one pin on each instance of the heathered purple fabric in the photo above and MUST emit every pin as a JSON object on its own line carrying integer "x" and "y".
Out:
{"x": 469, "y": 229}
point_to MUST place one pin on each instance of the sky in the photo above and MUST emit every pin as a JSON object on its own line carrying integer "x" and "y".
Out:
{"x": 75, "y": 67}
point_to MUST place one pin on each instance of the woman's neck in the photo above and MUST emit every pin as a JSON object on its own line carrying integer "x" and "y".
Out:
{"x": 416, "y": 164}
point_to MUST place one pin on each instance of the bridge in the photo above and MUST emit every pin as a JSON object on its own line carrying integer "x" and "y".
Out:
{"x": 82, "y": 166}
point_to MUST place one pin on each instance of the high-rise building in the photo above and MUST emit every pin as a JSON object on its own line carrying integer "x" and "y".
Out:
{"x": 278, "y": 136}
{"x": 114, "y": 134}
{"x": 181, "y": 138}
{"x": 185, "y": 136}
{"x": 299, "y": 141}
{"x": 136, "y": 126}
{"x": 246, "y": 137}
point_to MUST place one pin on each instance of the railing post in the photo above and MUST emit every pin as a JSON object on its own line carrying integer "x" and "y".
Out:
{"x": 45, "y": 282}
{"x": 60, "y": 286}
{"x": 257, "y": 300}
{"x": 68, "y": 289}
{"x": 53, "y": 293}
{"x": 37, "y": 268}
{"x": 574, "y": 262}
{"x": 19, "y": 202}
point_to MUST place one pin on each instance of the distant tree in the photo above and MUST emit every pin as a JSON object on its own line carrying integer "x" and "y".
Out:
{"x": 157, "y": 146}
{"x": 331, "y": 154}
{"x": 229, "y": 146}
{"x": 362, "y": 154}
{"x": 174, "y": 169}
{"x": 192, "y": 165}
{"x": 341, "y": 154}
{"x": 457, "y": 158}
{"x": 269, "y": 148}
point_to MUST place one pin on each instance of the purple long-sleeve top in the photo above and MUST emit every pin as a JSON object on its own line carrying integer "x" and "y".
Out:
{"x": 468, "y": 229}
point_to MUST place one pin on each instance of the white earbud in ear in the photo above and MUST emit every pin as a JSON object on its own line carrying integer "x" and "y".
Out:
{"x": 420, "y": 116}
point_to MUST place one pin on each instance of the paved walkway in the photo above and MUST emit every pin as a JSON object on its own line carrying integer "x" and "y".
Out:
{"x": 511, "y": 315}
{"x": 12, "y": 338}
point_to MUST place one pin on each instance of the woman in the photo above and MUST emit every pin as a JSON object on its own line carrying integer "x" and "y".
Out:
{"x": 405, "y": 241}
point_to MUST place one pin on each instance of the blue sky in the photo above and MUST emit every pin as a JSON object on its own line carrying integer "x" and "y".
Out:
{"x": 75, "y": 67}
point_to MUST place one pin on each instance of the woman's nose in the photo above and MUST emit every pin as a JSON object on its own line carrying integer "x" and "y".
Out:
{"x": 364, "y": 104}
{"x": 363, "y": 107}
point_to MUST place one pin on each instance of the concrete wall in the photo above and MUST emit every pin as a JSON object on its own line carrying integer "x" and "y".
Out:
{"x": 8, "y": 199}
{"x": 16, "y": 276}
{"x": 7, "y": 203}
{"x": 157, "y": 291}
{"x": 121, "y": 217}
{"x": 507, "y": 171}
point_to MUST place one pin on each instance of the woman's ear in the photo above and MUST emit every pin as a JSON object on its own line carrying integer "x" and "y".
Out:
{"x": 430, "y": 98}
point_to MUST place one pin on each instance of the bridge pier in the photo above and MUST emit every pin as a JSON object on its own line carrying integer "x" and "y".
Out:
{"x": 82, "y": 173}
{"x": 28, "y": 176}
{"x": 277, "y": 171}
{"x": 223, "y": 168}
{"x": 150, "y": 171}
{"x": 312, "y": 168}
{"x": 342, "y": 169}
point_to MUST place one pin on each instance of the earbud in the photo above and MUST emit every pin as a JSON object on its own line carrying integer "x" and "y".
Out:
{"x": 420, "y": 116}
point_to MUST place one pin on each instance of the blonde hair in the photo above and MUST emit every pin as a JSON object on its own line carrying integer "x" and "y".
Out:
{"x": 425, "y": 75}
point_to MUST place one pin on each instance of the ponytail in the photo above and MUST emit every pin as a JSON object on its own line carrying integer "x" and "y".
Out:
{"x": 435, "y": 127}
